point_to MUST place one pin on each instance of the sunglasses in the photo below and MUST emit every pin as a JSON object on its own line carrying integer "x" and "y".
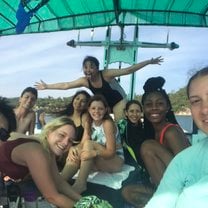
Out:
{"x": 4, "y": 134}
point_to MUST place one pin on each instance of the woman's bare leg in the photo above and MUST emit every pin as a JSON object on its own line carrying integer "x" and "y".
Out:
{"x": 80, "y": 184}
{"x": 156, "y": 158}
{"x": 112, "y": 165}
{"x": 118, "y": 110}
{"x": 69, "y": 170}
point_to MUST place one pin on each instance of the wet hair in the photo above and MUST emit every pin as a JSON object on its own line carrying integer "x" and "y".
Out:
{"x": 69, "y": 110}
{"x": 32, "y": 90}
{"x": 52, "y": 126}
{"x": 155, "y": 85}
{"x": 91, "y": 59}
{"x": 201, "y": 73}
{"x": 7, "y": 111}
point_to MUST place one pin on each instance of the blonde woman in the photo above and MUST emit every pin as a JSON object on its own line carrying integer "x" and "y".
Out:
{"x": 21, "y": 156}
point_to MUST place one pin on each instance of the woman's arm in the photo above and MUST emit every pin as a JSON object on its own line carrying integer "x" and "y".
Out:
{"x": 109, "y": 150}
{"x": 40, "y": 169}
{"x": 81, "y": 82}
{"x": 175, "y": 140}
{"x": 87, "y": 130}
{"x": 62, "y": 184}
{"x": 112, "y": 73}
{"x": 42, "y": 119}
{"x": 32, "y": 124}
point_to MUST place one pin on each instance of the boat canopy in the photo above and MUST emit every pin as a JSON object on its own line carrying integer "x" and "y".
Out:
{"x": 38, "y": 16}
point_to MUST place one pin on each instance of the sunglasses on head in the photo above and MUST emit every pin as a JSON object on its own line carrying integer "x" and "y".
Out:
{"x": 4, "y": 134}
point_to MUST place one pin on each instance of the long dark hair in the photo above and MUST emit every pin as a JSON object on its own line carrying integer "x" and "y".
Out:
{"x": 155, "y": 84}
{"x": 69, "y": 109}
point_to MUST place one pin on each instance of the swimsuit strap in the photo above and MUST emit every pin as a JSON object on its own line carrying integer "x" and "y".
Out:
{"x": 164, "y": 130}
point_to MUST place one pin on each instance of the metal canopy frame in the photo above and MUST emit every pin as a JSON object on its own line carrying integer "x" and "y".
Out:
{"x": 35, "y": 16}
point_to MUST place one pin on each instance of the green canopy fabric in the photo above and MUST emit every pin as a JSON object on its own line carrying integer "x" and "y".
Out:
{"x": 35, "y": 16}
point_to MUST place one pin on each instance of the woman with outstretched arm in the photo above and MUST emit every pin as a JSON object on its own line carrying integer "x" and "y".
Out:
{"x": 102, "y": 82}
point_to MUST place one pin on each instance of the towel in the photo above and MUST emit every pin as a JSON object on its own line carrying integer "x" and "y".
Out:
{"x": 112, "y": 180}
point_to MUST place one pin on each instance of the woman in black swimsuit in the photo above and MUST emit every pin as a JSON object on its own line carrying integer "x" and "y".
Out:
{"x": 75, "y": 110}
{"x": 102, "y": 82}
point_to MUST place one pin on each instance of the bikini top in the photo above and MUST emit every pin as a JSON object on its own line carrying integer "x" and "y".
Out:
{"x": 164, "y": 130}
{"x": 7, "y": 166}
{"x": 79, "y": 132}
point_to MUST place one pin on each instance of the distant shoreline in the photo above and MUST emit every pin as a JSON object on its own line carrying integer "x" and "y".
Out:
{"x": 183, "y": 113}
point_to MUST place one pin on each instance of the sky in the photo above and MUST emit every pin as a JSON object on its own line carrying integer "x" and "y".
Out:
{"x": 26, "y": 59}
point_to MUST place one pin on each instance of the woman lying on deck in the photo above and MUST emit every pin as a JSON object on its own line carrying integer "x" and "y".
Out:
{"x": 23, "y": 155}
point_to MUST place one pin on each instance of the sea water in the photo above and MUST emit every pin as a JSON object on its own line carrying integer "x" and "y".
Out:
{"x": 186, "y": 122}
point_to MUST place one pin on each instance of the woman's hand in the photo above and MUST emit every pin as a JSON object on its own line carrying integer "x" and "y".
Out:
{"x": 157, "y": 60}
{"x": 88, "y": 154}
{"x": 41, "y": 85}
{"x": 73, "y": 154}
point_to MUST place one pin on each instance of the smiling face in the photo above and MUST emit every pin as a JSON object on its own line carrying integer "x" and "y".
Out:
{"x": 79, "y": 102}
{"x": 90, "y": 69}
{"x": 97, "y": 111}
{"x": 27, "y": 100}
{"x": 61, "y": 139}
{"x": 155, "y": 107}
{"x": 198, "y": 97}
{"x": 134, "y": 113}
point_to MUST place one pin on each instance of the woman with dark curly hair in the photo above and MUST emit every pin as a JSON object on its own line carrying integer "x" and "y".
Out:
{"x": 102, "y": 82}
{"x": 165, "y": 138}
{"x": 185, "y": 181}
{"x": 77, "y": 111}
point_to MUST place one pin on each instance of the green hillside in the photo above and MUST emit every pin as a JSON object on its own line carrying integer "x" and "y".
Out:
{"x": 51, "y": 105}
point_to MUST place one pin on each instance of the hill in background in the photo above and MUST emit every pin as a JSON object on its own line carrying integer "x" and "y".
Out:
{"x": 51, "y": 105}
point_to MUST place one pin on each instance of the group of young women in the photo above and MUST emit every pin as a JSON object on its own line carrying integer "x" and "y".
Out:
{"x": 90, "y": 138}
